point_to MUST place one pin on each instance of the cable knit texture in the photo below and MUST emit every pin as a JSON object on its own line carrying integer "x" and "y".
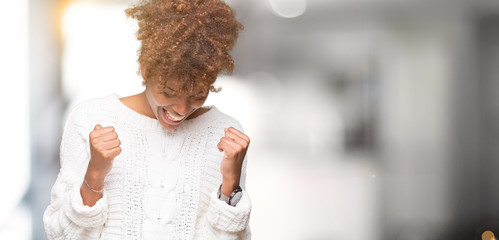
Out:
{"x": 163, "y": 185}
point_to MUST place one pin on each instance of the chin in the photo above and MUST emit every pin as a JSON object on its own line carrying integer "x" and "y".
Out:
{"x": 169, "y": 127}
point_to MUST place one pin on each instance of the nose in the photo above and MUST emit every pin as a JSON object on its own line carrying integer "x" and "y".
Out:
{"x": 182, "y": 107}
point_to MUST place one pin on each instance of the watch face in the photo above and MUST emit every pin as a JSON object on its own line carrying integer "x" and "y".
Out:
{"x": 235, "y": 199}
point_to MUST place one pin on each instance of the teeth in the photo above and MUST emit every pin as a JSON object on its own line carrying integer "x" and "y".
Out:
{"x": 171, "y": 117}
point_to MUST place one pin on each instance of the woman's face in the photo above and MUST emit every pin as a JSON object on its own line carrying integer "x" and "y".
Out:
{"x": 172, "y": 106}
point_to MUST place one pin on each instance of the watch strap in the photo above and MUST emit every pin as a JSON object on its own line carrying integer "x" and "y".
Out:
{"x": 221, "y": 196}
{"x": 234, "y": 197}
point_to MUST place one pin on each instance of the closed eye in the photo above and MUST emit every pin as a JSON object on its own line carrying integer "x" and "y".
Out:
{"x": 169, "y": 94}
{"x": 199, "y": 97}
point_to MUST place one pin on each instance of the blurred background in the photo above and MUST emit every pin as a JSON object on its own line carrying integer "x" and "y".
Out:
{"x": 369, "y": 119}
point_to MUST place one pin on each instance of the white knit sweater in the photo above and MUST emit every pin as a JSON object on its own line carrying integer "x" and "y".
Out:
{"x": 163, "y": 185}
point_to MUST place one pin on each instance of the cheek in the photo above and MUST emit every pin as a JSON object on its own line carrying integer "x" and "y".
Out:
{"x": 162, "y": 101}
{"x": 197, "y": 103}
{"x": 157, "y": 105}
{"x": 153, "y": 98}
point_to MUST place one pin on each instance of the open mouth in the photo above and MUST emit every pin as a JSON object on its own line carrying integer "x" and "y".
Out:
{"x": 171, "y": 119}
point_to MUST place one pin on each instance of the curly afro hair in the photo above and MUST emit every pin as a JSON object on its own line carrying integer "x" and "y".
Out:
{"x": 185, "y": 42}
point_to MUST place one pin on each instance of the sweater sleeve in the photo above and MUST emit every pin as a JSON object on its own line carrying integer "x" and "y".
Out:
{"x": 223, "y": 221}
{"x": 66, "y": 217}
{"x": 228, "y": 222}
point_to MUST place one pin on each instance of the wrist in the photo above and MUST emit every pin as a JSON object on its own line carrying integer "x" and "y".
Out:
{"x": 94, "y": 179}
{"x": 94, "y": 188}
{"x": 94, "y": 175}
{"x": 88, "y": 196}
{"x": 228, "y": 187}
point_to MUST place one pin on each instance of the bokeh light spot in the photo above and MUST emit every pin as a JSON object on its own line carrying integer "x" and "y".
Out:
{"x": 288, "y": 8}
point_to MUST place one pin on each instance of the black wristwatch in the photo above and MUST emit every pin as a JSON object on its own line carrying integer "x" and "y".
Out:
{"x": 234, "y": 197}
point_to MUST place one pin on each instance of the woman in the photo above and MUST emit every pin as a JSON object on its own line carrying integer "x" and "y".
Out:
{"x": 158, "y": 165}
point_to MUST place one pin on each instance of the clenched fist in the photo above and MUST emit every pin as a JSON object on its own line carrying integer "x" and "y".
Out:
{"x": 234, "y": 145}
{"x": 104, "y": 147}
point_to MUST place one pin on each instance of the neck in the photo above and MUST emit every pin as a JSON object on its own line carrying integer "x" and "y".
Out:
{"x": 143, "y": 104}
{"x": 139, "y": 104}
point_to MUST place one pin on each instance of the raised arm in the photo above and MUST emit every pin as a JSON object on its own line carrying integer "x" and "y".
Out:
{"x": 75, "y": 212}
{"x": 223, "y": 220}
